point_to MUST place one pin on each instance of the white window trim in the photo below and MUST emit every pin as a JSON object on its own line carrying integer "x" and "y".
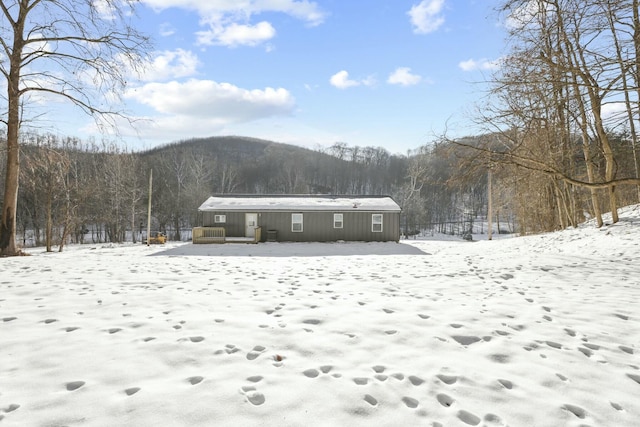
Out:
{"x": 374, "y": 223}
{"x": 294, "y": 222}
{"x": 219, "y": 219}
{"x": 336, "y": 221}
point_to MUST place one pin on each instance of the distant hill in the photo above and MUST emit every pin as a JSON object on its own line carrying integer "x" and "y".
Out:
{"x": 232, "y": 146}
{"x": 262, "y": 166}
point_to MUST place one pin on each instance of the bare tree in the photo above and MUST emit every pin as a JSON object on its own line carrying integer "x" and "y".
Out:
{"x": 568, "y": 62}
{"x": 78, "y": 50}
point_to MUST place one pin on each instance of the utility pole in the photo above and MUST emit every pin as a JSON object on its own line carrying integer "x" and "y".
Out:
{"x": 149, "y": 209}
{"x": 490, "y": 206}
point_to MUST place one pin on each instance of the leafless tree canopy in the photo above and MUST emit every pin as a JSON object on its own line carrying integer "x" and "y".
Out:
{"x": 77, "y": 51}
{"x": 564, "y": 107}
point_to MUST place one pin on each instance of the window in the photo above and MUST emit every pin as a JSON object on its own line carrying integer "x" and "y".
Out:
{"x": 337, "y": 221}
{"x": 219, "y": 218}
{"x": 296, "y": 222}
{"x": 376, "y": 223}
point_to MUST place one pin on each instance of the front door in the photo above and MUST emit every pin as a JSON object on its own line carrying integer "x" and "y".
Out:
{"x": 251, "y": 222}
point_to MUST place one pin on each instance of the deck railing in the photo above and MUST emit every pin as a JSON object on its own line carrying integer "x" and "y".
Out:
{"x": 218, "y": 235}
{"x": 208, "y": 235}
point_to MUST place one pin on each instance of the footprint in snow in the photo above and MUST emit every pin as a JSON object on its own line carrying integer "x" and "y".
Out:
{"x": 370, "y": 400}
{"x": 230, "y": 349}
{"x": 575, "y": 410}
{"x": 493, "y": 420}
{"x": 616, "y": 406}
{"x": 466, "y": 339}
{"x": 445, "y": 400}
{"x": 585, "y": 351}
{"x": 10, "y": 408}
{"x": 634, "y": 377}
{"x": 416, "y": 381}
{"x": 499, "y": 358}
{"x": 252, "y": 395}
{"x": 447, "y": 379}
{"x": 311, "y": 373}
{"x": 506, "y": 384}
{"x": 257, "y": 350}
{"x": 626, "y": 349}
{"x": 325, "y": 369}
{"x": 195, "y": 380}
{"x": 410, "y": 402}
{"x": 132, "y": 390}
{"x": 468, "y": 418}
{"x": 74, "y": 385}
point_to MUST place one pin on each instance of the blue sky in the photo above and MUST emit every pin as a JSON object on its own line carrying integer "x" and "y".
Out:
{"x": 389, "y": 73}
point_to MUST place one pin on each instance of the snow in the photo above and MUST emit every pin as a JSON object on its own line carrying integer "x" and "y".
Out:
{"x": 299, "y": 203}
{"x": 539, "y": 330}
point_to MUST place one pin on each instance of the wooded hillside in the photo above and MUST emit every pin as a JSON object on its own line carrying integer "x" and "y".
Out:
{"x": 72, "y": 191}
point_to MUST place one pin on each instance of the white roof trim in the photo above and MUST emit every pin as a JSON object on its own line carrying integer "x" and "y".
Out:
{"x": 289, "y": 203}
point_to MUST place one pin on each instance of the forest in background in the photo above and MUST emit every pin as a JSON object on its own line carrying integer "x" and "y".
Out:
{"x": 73, "y": 191}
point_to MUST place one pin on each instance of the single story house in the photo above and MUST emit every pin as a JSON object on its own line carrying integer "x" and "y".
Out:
{"x": 304, "y": 218}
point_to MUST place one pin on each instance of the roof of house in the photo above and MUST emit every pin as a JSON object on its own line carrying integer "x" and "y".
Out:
{"x": 299, "y": 203}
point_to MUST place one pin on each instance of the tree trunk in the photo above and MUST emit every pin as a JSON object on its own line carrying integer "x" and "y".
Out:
{"x": 10, "y": 201}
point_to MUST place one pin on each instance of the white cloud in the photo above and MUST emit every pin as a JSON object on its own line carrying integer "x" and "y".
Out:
{"x": 426, "y": 16}
{"x": 525, "y": 15}
{"x": 482, "y": 64}
{"x": 305, "y": 10}
{"x": 402, "y": 76}
{"x": 613, "y": 109}
{"x": 208, "y": 100}
{"x": 229, "y": 22}
{"x": 105, "y": 9}
{"x": 173, "y": 64}
{"x": 341, "y": 80}
{"x": 234, "y": 35}
{"x": 166, "y": 29}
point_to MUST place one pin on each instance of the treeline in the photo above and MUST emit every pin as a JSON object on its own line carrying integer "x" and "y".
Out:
{"x": 561, "y": 144}
{"x": 563, "y": 110}
{"x": 77, "y": 191}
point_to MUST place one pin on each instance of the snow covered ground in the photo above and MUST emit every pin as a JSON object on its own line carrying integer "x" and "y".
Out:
{"x": 532, "y": 331}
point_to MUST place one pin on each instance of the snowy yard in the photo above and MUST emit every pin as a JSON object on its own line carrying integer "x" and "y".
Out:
{"x": 540, "y": 330}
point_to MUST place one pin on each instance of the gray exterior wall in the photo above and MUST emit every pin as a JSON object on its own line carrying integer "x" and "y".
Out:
{"x": 317, "y": 225}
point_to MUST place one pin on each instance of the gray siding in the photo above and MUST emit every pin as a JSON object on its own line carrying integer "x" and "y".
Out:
{"x": 317, "y": 225}
{"x": 234, "y": 226}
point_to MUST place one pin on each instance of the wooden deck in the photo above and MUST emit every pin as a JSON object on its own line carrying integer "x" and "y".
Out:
{"x": 204, "y": 235}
